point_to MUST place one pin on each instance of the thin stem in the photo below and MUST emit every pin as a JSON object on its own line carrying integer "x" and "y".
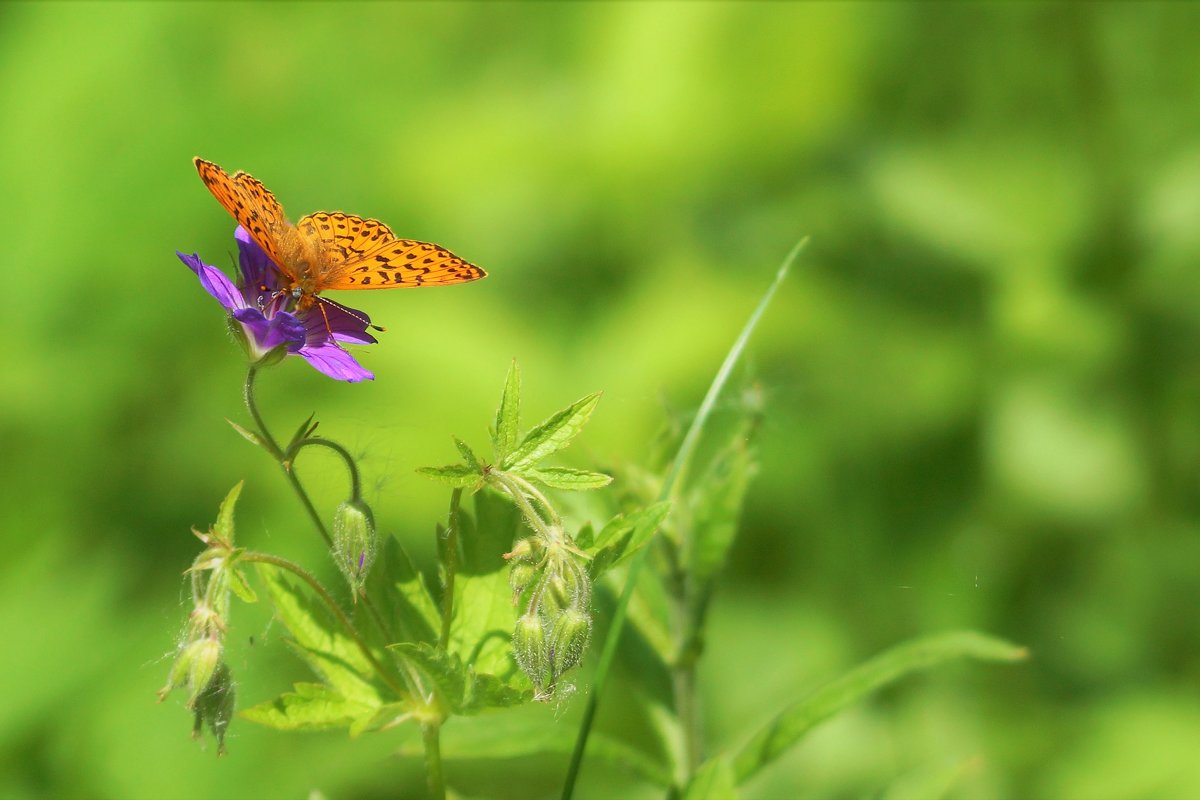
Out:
{"x": 351, "y": 467}
{"x": 682, "y": 457}
{"x": 451, "y": 556}
{"x": 430, "y": 737}
{"x": 535, "y": 520}
{"x": 252, "y": 407}
{"x": 307, "y": 577}
{"x": 532, "y": 490}
{"x": 294, "y": 480}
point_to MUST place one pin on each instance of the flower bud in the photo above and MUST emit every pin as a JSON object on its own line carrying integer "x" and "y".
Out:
{"x": 520, "y": 575}
{"x": 569, "y": 641}
{"x": 354, "y": 542}
{"x": 527, "y": 550}
{"x": 529, "y": 649}
{"x": 214, "y": 707}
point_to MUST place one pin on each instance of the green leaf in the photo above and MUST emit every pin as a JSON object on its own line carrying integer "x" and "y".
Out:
{"x": 460, "y": 688}
{"x": 223, "y": 527}
{"x": 716, "y": 506}
{"x": 311, "y": 707}
{"x": 586, "y": 537}
{"x": 534, "y": 733}
{"x": 459, "y": 476}
{"x": 398, "y": 591}
{"x": 552, "y": 435}
{"x": 250, "y": 436}
{"x": 484, "y": 614}
{"x": 468, "y": 455}
{"x": 240, "y": 586}
{"x": 930, "y": 782}
{"x": 888, "y": 667}
{"x": 306, "y": 428}
{"x": 713, "y": 781}
{"x": 386, "y": 716}
{"x": 320, "y": 641}
{"x": 570, "y": 479}
{"x": 443, "y": 672}
{"x": 505, "y": 435}
{"x": 624, "y": 535}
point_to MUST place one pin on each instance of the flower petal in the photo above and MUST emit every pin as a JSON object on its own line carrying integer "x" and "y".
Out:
{"x": 335, "y": 362}
{"x": 270, "y": 332}
{"x": 214, "y": 282}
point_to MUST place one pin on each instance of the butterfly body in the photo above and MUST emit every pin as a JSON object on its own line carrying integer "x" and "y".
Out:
{"x": 329, "y": 249}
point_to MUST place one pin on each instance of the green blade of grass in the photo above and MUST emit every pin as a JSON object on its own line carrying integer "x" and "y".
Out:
{"x": 796, "y": 721}
{"x": 686, "y": 448}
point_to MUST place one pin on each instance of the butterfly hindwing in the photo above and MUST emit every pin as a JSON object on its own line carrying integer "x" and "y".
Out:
{"x": 402, "y": 263}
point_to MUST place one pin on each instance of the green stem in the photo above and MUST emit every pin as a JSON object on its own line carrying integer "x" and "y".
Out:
{"x": 451, "y": 562}
{"x": 506, "y": 482}
{"x": 307, "y": 577}
{"x": 273, "y": 448}
{"x": 532, "y": 490}
{"x": 682, "y": 457}
{"x": 351, "y": 467}
{"x": 430, "y": 737}
{"x": 252, "y": 407}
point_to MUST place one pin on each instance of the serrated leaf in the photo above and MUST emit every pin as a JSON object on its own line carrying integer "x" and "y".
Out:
{"x": 387, "y": 715}
{"x": 490, "y": 691}
{"x": 397, "y": 590}
{"x": 484, "y": 614}
{"x": 468, "y": 455}
{"x": 552, "y": 435}
{"x": 624, "y": 535}
{"x": 569, "y": 479}
{"x": 311, "y": 707}
{"x": 223, "y": 527}
{"x": 240, "y": 586}
{"x": 795, "y": 722}
{"x": 248, "y": 435}
{"x": 443, "y": 672}
{"x": 716, "y": 507}
{"x": 459, "y": 476}
{"x": 713, "y": 781}
{"x": 504, "y": 438}
{"x": 535, "y": 732}
{"x": 463, "y": 691}
{"x": 320, "y": 641}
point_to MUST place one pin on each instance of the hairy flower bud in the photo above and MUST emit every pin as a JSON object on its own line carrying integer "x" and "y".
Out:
{"x": 214, "y": 707}
{"x": 529, "y": 649}
{"x": 569, "y": 641}
{"x": 520, "y": 575}
{"x": 354, "y": 542}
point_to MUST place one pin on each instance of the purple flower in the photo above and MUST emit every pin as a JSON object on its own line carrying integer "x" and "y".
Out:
{"x": 269, "y": 318}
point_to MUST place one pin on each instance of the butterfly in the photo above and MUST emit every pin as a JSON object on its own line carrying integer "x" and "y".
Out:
{"x": 329, "y": 249}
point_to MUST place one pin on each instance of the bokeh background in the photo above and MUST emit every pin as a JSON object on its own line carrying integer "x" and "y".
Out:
{"x": 982, "y": 380}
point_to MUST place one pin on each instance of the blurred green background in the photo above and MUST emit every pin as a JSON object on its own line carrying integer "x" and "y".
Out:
{"x": 982, "y": 379}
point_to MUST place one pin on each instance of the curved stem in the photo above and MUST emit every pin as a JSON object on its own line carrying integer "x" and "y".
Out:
{"x": 252, "y": 407}
{"x": 351, "y": 467}
{"x": 451, "y": 564}
{"x": 294, "y": 480}
{"x": 307, "y": 577}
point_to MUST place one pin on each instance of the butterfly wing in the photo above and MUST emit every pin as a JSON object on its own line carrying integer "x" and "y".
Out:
{"x": 364, "y": 254}
{"x": 249, "y": 202}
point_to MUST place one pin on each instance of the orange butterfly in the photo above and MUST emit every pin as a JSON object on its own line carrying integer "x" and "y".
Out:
{"x": 329, "y": 249}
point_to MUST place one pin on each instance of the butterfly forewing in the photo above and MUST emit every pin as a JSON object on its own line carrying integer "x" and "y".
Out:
{"x": 249, "y": 202}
